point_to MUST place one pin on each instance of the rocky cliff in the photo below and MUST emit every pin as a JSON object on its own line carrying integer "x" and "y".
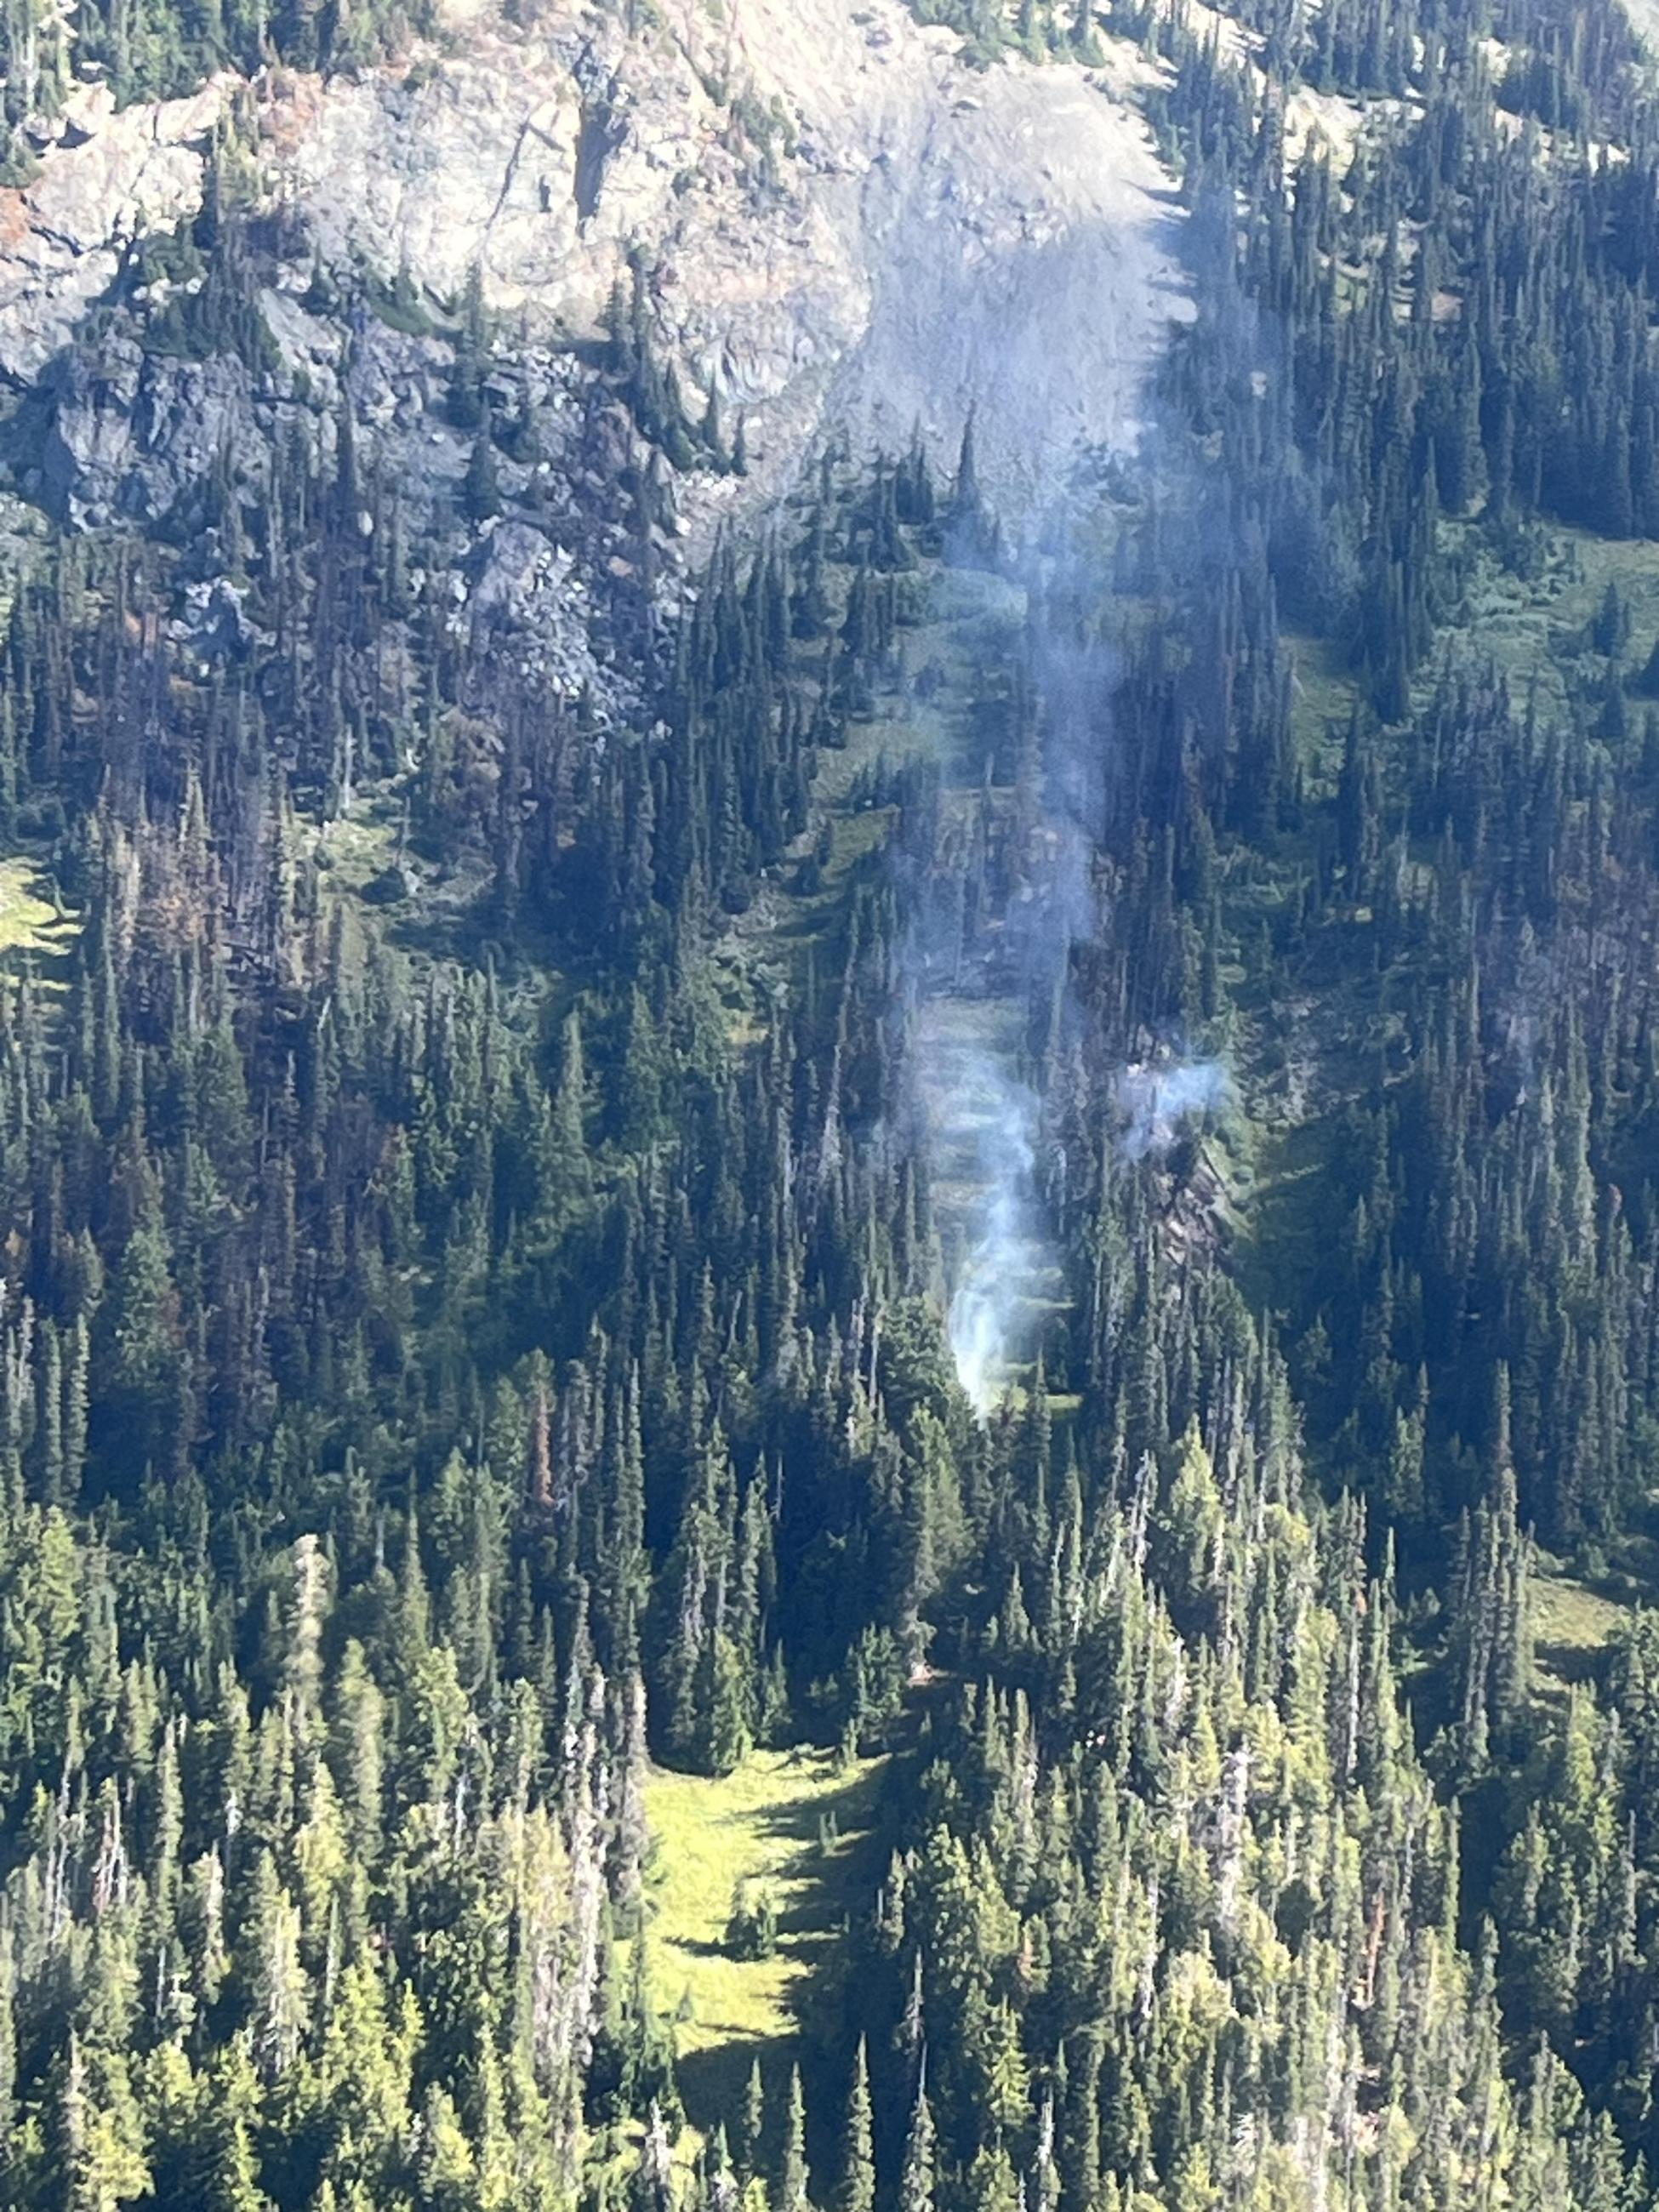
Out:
{"x": 835, "y": 227}
{"x": 828, "y": 199}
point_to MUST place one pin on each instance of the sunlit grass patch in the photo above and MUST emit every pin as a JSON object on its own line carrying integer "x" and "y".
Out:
{"x": 33, "y": 925}
{"x": 1322, "y": 697}
{"x": 793, "y": 1821}
{"x": 1572, "y": 1625}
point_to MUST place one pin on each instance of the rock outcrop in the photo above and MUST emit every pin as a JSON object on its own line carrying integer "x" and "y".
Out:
{"x": 841, "y": 225}
{"x": 105, "y": 177}
{"x": 839, "y": 218}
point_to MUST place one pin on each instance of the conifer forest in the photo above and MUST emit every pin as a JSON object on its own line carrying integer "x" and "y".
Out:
{"x": 829, "y": 1358}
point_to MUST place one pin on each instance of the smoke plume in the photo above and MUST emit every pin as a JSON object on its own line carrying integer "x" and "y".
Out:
{"x": 1003, "y": 1250}
{"x": 1159, "y": 1101}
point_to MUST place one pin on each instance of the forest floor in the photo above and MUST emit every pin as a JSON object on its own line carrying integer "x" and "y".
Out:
{"x": 1573, "y": 1622}
{"x": 809, "y": 1831}
{"x": 918, "y": 712}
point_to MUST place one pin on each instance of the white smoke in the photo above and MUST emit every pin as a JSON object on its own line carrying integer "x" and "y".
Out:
{"x": 1157, "y": 1101}
{"x": 1001, "y": 1250}
{"x": 976, "y": 991}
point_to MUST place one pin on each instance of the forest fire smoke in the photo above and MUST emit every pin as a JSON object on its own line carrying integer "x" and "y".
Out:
{"x": 1157, "y": 1102}
{"x": 986, "y": 1119}
{"x": 987, "y": 1294}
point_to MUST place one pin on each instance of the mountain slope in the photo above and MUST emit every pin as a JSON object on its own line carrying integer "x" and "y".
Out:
{"x": 840, "y": 224}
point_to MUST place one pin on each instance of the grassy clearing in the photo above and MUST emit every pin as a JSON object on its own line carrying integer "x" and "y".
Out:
{"x": 391, "y": 893}
{"x": 967, "y": 617}
{"x": 762, "y": 1824}
{"x": 1576, "y": 1613}
{"x": 918, "y": 711}
{"x": 33, "y": 925}
{"x": 362, "y": 845}
{"x": 1572, "y": 1625}
{"x": 1287, "y": 1218}
{"x": 1322, "y": 696}
{"x": 1533, "y": 627}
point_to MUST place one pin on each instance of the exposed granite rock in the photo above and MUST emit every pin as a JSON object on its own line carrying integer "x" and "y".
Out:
{"x": 839, "y": 219}
{"x": 108, "y": 179}
{"x": 860, "y": 220}
{"x": 130, "y": 434}
{"x": 529, "y": 600}
{"x": 214, "y": 623}
{"x": 842, "y": 228}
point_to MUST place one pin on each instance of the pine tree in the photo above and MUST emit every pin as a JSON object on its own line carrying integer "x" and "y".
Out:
{"x": 857, "y": 2193}
{"x": 791, "y": 2189}
{"x": 915, "y": 2189}
{"x": 481, "y": 497}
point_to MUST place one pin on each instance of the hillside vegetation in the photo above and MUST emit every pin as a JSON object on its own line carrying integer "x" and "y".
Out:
{"x": 789, "y": 1833}
{"x": 829, "y": 1363}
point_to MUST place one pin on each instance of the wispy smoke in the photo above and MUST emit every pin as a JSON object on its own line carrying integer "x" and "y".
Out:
{"x": 1157, "y": 1102}
{"x": 1003, "y": 1251}
{"x": 979, "y": 987}
{"x": 994, "y": 973}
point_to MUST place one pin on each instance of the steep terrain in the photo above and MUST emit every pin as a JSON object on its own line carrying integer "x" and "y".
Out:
{"x": 839, "y": 225}
{"x": 828, "y": 1370}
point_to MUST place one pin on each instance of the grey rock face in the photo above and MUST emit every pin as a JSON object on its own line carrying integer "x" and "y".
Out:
{"x": 838, "y": 215}
{"x": 841, "y": 230}
{"x": 529, "y": 600}
{"x": 133, "y": 434}
{"x": 110, "y": 177}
